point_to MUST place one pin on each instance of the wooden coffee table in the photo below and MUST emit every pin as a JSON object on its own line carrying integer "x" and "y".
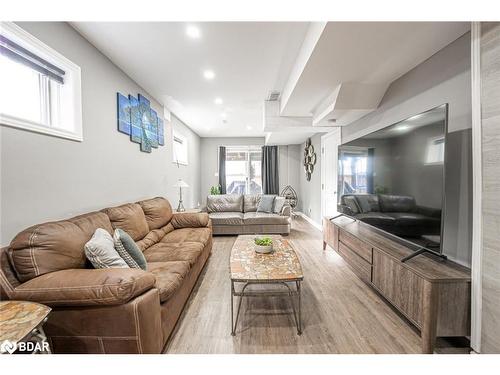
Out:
{"x": 281, "y": 267}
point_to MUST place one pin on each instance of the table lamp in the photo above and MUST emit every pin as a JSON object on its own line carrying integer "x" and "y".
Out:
{"x": 180, "y": 184}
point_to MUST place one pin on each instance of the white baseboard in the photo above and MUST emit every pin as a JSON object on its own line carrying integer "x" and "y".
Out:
{"x": 310, "y": 221}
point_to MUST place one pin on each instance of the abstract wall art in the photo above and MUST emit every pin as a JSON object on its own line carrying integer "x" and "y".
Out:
{"x": 137, "y": 119}
{"x": 309, "y": 159}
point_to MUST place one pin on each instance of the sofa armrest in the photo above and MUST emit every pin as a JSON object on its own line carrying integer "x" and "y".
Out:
{"x": 286, "y": 211}
{"x": 86, "y": 287}
{"x": 428, "y": 211}
{"x": 342, "y": 208}
{"x": 190, "y": 220}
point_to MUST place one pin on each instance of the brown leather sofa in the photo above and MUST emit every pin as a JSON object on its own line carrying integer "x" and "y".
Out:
{"x": 109, "y": 310}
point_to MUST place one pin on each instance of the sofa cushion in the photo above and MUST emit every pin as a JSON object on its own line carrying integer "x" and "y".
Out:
{"x": 279, "y": 202}
{"x": 226, "y": 218}
{"x": 397, "y": 203}
{"x": 368, "y": 203}
{"x": 264, "y": 218}
{"x": 225, "y": 203}
{"x": 190, "y": 220}
{"x": 129, "y": 217}
{"x": 101, "y": 252}
{"x": 251, "y": 202}
{"x": 201, "y": 235}
{"x": 376, "y": 218}
{"x": 413, "y": 219}
{"x": 158, "y": 212}
{"x": 169, "y": 276}
{"x": 167, "y": 252}
{"x": 54, "y": 246}
{"x": 128, "y": 249}
{"x": 266, "y": 203}
{"x": 154, "y": 237}
{"x": 86, "y": 287}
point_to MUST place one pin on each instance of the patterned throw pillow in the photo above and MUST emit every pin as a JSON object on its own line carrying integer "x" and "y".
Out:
{"x": 279, "y": 202}
{"x": 128, "y": 250}
{"x": 266, "y": 203}
{"x": 100, "y": 251}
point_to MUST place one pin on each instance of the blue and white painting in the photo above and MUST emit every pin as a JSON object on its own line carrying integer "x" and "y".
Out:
{"x": 137, "y": 119}
{"x": 123, "y": 114}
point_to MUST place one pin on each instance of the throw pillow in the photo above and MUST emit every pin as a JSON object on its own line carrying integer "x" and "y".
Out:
{"x": 100, "y": 250}
{"x": 266, "y": 203}
{"x": 128, "y": 250}
{"x": 279, "y": 202}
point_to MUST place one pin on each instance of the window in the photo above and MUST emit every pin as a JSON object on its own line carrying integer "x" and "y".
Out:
{"x": 435, "y": 151}
{"x": 180, "y": 148}
{"x": 353, "y": 171}
{"x": 243, "y": 170}
{"x": 40, "y": 88}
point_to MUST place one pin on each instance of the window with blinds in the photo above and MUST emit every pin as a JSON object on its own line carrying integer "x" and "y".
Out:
{"x": 40, "y": 87}
{"x": 435, "y": 151}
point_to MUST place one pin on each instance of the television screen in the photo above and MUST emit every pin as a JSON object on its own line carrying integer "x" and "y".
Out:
{"x": 393, "y": 178}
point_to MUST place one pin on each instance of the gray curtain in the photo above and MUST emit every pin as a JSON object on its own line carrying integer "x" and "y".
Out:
{"x": 222, "y": 169}
{"x": 270, "y": 176}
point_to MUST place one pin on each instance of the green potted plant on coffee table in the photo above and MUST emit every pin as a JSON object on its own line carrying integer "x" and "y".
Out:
{"x": 263, "y": 245}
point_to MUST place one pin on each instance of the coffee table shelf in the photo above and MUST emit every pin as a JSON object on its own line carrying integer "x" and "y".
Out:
{"x": 281, "y": 267}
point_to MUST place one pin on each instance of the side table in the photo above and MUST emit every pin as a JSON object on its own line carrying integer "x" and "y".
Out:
{"x": 21, "y": 327}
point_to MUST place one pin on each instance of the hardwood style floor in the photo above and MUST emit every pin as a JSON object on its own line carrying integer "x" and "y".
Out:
{"x": 341, "y": 314}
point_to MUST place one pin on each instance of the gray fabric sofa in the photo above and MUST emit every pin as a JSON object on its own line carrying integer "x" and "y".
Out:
{"x": 237, "y": 214}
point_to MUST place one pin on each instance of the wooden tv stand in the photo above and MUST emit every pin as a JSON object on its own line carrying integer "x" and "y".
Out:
{"x": 433, "y": 295}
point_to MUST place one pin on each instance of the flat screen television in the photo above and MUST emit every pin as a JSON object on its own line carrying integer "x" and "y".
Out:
{"x": 393, "y": 179}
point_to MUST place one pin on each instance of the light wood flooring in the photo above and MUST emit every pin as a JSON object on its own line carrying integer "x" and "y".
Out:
{"x": 341, "y": 314}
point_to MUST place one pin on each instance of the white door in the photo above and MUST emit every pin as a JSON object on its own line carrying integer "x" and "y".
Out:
{"x": 329, "y": 164}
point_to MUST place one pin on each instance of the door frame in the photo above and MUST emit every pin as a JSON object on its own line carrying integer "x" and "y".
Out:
{"x": 477, "y": 187}
{"x": 334, "y": 133}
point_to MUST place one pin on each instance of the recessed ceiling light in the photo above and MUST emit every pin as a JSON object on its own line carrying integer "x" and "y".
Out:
{"x": 218, "y": 101}
{"x": 249, "y": 127}
{"x": 209, "y": 74}
{"x": 193, "y": 32}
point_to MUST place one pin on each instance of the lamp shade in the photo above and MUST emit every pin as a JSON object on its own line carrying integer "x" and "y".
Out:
{"x": 181, "y": 184}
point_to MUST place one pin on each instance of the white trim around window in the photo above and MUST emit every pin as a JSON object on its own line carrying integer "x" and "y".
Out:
{"x": 69, "y": 100}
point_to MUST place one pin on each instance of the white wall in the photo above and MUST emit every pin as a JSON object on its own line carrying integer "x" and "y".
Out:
{"x": 46, "y": 178}
{"x": 443, "y": 78}
{"x": 289, "y": 173}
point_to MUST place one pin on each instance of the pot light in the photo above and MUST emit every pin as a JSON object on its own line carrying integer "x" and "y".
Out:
{"x": 218, "y": 101}
{"x": 209, "y": 74}
{"x": 193, "y": 32}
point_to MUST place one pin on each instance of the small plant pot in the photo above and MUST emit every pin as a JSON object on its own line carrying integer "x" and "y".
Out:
{"x": 263, "y": 249}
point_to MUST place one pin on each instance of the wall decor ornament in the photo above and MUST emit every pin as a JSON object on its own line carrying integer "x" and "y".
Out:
{"x": 309, "y": 159}
{"x": 137, "y": 119}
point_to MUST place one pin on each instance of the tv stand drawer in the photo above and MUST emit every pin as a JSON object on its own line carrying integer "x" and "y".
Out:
{"x": 359, "y": 265}
{"x": 361, "y": 248}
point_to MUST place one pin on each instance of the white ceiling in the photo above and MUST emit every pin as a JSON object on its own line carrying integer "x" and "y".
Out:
{"x": 305, "y": 61}
{"x": 249, "y": 60}
{"x": 433, "y": 116}
{"x": 374, "y": 53}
